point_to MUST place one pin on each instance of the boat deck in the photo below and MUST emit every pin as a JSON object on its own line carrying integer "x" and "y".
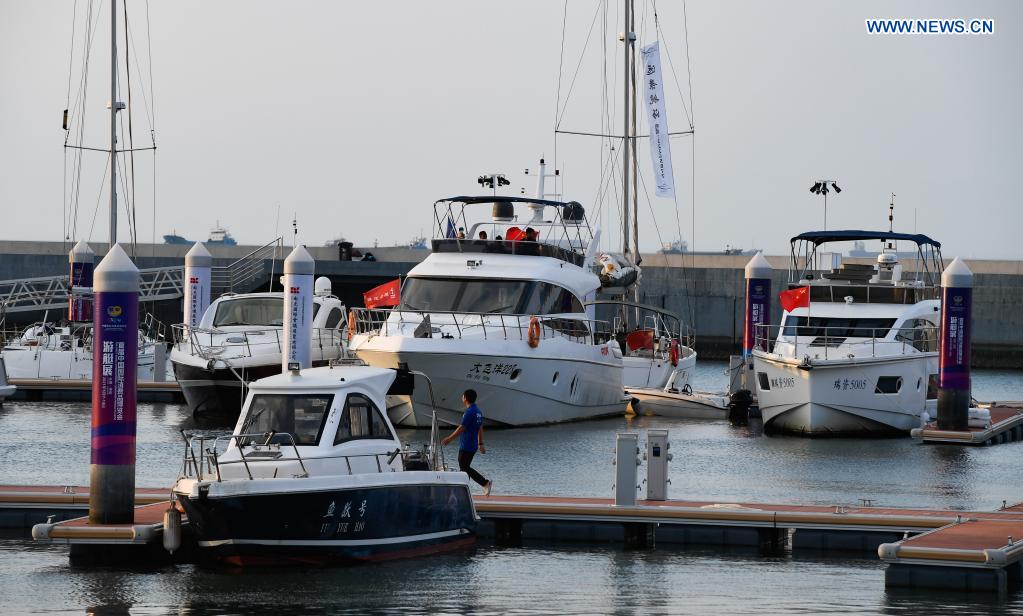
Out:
{"x": 1006, "y": 426}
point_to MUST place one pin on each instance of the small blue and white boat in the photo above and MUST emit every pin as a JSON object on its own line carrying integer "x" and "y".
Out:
{"x": 314, "y": 474}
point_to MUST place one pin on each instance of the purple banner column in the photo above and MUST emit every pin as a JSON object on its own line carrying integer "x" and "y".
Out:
{"x": 758, "y": 305}
{"x": 114, "y": 372}
{"x": 954, "y": 352}
{"x": 82, "y": 260}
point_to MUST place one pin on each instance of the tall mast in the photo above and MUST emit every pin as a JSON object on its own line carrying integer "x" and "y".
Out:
{"x": 113, "y": 122}
{"x": 626, "y": 154}
{"x": 632, "y": 142}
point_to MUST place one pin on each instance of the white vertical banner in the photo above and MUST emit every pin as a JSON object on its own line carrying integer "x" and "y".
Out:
{"x": 652, "y": 91}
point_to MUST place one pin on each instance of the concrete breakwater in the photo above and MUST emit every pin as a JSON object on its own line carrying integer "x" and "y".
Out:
{"x": 706, "y": 290}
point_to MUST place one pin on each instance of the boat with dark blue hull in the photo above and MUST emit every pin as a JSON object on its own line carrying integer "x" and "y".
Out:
{"x": 314, "y": 474}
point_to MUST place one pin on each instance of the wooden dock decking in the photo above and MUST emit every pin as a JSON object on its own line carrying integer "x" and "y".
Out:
{"x": 1006, "y": 426}
{"x": 146, "y": 528}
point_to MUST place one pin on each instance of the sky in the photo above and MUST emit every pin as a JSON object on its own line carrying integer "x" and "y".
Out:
{"x": 353, "y": 118}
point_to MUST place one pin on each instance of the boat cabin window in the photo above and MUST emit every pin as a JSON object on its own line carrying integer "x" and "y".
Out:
{"x": 259, "y": 311}
{"x": 837, "y": 327}
{"x": 300, "y": 415}
{"x": 360, "y": 419}
{"x": 920, "y": 333}
{"x": 464, "y": 295}
{"x": 549, "y": 298}
{"x": 333, "y": 318}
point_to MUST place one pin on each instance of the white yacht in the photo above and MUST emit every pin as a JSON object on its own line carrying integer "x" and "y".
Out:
{"x": 47, "y": 350}
{"x": 238, "y": 341}
{"x": 862, "y": 357}
{"x": 502, "y": 315}
{"x": 315, "y": 474}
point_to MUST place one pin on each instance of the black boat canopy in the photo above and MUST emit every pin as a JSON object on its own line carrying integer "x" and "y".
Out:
{"x": 821, "y": 237}
{"x": 502, "y": 199}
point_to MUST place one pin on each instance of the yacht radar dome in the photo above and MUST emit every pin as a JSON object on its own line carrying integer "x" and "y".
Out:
{"x": 322, "y": 287}
{"x": 503, "y": 211}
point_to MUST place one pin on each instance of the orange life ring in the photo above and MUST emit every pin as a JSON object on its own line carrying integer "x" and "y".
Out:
{"x": 673, "y": 352}
{"x": 351, "y": 324}
{"x": 534, "y": 332}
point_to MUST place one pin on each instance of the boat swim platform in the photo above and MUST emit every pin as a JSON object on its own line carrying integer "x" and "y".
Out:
{"x": 924, "y": 548}
{"x": 36, "y": 390}
{"x": 1006, "y": 427}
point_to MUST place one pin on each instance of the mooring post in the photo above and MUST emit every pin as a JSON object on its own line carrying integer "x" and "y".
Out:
{"x": 198, "y": 275}
{"x": 954, "y": 355}
{"x": 114, "y": 370}
{"x": 758, "y": 303}
{"x": 299, "y": 268}
{"x": 82, "y": 259}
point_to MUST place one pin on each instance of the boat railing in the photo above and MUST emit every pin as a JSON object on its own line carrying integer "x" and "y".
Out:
{"x": 202, "y": 457}
{"x": 489, "y": 326}
{"x": 213, "y": 343}
{"x": 846, "y": 342}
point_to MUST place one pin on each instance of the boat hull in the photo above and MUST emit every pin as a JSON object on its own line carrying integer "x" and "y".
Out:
{"x": 654, "y": 372}
{"x": 696, "y": 405}
{"x": 332, "y": 526}
{"x": 518, "y": 390}
{"x": 839, "y": 398}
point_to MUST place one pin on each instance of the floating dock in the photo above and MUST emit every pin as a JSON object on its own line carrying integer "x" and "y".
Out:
{"x": 35, "y": 390}
{"x": 925, "y": 548}
{"x": 1006, "y": 426}
{"x": 969, "y": 554}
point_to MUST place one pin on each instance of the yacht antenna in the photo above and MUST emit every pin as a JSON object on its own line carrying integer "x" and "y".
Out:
{"x": 891, "y": 213}
{"x": 294, "y": 229}
{"x": 820, "y": 187}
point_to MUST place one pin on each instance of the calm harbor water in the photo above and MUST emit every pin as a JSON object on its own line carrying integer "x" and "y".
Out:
{"x": 47, "y": 443}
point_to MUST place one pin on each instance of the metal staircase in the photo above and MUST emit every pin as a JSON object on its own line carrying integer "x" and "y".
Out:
{"x": 155, "y": 284}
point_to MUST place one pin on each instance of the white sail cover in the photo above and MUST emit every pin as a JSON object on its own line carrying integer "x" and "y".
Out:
{"x": 653, "y": 93}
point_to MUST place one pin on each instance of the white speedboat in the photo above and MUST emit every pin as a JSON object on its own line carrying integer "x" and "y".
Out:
{"x": 239, "y": 340}
{"x": 314, "y": 474}
{"x": 862, "y": 357}
{"x": 64, "y": 352}
{"x": 678, "y": 401}
{"x": 502, "y": 316}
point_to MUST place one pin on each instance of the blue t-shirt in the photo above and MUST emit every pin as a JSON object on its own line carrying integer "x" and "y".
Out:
{"x": 472, "y": 421}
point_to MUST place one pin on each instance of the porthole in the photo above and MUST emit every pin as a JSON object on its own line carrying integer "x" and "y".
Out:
{"x": 515, "y": 374}
{"x": 554, "y": 381}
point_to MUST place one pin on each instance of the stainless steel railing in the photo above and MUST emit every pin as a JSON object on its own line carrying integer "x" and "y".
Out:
{"x": 844, "y": 342}
{"x": 215, "y": 343}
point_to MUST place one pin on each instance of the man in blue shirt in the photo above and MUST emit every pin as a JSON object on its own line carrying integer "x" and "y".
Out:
{"x": 471, "y": 439}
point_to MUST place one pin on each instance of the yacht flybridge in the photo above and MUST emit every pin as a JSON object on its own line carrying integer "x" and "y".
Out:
{"x": 858, "y": 355}
{"x": 239, "y": 340}
{"x": 499, "y": 306}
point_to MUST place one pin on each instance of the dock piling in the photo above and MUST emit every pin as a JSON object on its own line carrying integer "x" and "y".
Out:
{"x": 82, "y": 260}
{"x": 114, "y": 372}
{"x": 954, "y": 355}
{"x": 299, "y": 268}
{"x": 198, "y": 282}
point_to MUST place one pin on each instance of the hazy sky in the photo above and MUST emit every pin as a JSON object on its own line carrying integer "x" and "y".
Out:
{"x": 357, "y": 116}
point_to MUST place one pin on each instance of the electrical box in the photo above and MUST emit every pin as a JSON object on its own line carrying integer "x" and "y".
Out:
{"x": 626, "y": 468}
{"x": 657, "y": 458}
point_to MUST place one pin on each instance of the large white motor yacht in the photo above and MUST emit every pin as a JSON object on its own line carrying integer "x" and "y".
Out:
{"x": 503, "y": 315}
{"x": 238, "y": 341}
{"x": 862, "y": 357}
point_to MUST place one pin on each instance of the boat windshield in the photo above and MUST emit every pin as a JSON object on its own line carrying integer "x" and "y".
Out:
{"x": 841, "y": 327}
{"x": 259, "y": 311}
{"x": 300, "y": 415}
{"x": 464, "y": 295}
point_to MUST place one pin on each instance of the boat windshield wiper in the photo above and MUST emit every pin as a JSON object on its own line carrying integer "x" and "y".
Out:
{"x": 252, "y": 418}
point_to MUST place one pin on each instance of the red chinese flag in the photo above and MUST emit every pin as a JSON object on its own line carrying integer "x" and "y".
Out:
{"x": 795, "y": 298}
{"x": 387, "y": 294}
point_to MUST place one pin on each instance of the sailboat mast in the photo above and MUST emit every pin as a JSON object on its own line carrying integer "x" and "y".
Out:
{"x": 632, "y": 144}
{"x": 113, "y": 122}
{"x": 626, "y": 153}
